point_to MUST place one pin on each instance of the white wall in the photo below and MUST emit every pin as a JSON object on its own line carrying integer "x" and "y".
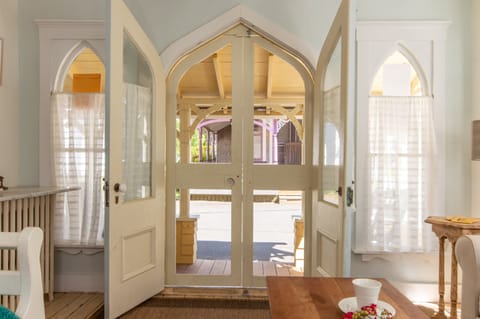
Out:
{"x": 475, "y": 100}
{"x": 417, "y": 274}
{"x": 73, "y": 272}
{"x": 458, "y": 93}
{"x": 79, "y": 270}
{"x": 9, "y": 158}
{"x": 167, "y": 21}
{"x": 28, "y": 129}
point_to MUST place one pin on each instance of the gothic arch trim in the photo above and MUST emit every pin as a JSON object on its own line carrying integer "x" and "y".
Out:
{"x": 234, "y": 16}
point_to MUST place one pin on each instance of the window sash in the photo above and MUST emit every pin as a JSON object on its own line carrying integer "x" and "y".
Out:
{"x": 395, "y": 190}
{"x": 78, "y": 139}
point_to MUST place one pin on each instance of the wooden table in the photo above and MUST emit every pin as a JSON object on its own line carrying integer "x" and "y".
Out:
{"x": 445, "y": 229}
{"x": 308, "y": 298}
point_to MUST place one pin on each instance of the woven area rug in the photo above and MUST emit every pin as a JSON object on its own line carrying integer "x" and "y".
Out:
{"x": 173, "y": 308}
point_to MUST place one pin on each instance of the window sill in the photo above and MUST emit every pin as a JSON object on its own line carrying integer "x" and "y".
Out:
{"x": 79, "y": 249}
{"x": 370, "y": 255}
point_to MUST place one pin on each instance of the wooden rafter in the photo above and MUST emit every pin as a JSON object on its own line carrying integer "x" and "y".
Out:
{"x": 218, "y": 75}
{"x": 269, "y": 76}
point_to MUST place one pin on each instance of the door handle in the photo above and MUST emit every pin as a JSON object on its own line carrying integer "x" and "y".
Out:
{"x": 230, "y": 181}
{"x": 339, "y": 191}
{"x": 119, "y": 188}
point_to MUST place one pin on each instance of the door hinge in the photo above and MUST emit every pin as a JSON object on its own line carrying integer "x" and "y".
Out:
{"x": 106, "y": 192}
{"x": 349, "y": 196}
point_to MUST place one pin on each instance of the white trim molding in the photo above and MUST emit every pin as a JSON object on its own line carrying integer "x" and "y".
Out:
{"x": 238, "y": 14}
{"x": 424, "y": 44}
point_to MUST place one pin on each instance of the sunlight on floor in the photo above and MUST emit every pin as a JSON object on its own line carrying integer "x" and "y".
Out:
{"x": 431, "y": 309}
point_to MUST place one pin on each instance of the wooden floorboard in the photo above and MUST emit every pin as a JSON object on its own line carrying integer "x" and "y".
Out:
{"x": 75, "y": 306}
{"x": 219, "y": 267}
{"x": 222, "y": 267}
{"x": 90, "y": 305}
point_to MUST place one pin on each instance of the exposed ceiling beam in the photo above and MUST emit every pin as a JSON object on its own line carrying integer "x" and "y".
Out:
{"x": 269, "y": 76}
{"x": 257, "y": 101}
{"x": 193, "y": 96}
{"x": 218, "y": 75}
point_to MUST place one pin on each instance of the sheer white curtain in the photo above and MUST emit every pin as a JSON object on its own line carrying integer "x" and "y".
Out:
{"x": 137, "y": 141}
{"x": 397, "y": 190}
{"x": 78, "y": 127}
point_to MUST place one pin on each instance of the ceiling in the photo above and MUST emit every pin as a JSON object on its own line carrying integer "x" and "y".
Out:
{"x": 212, "y": 78}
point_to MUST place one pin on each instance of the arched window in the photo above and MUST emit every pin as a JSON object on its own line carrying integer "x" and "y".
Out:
{"x": 399, "y": 157}
{"x": 397, "y": 77}
{"x": 78, "y": 138}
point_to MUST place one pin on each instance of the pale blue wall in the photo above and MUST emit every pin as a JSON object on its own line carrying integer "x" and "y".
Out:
{"x": 28, "y": 12}
{"x": 167, "y": 21}
{"x": 405, "y": 9}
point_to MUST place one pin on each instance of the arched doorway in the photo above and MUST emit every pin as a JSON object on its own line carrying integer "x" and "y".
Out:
{"x": 239, "y": 137}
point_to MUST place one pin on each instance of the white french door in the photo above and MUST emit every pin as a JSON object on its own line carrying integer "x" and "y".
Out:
{"x": 135, "y": 165}
{"x": 238, "y": 172}
{"x": 135, "y": 114}
{"x": 334, "y": 106}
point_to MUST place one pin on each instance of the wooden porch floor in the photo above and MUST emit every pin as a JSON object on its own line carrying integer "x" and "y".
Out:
{"x": 222, "y": 267}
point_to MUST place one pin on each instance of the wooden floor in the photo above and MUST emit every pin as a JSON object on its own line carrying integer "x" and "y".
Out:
{"x": 222, "y": 267}
{"x": 90, "y": 305}
{"x": 75, "y": 306}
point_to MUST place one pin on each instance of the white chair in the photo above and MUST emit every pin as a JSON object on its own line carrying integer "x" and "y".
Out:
{"x": 467, "y": 250}
{"x": 27, "y": 281}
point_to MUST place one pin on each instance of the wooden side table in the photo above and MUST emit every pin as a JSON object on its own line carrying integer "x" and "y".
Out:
{"x": 445, "y": 229}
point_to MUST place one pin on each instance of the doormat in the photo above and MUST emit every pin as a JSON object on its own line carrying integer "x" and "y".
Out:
{"x": 206, "y": 303}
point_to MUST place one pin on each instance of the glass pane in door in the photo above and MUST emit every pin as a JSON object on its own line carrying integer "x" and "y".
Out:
{"x": 277, "y": 233}
{"x": 137, "y": 123}
{"x": 204, "y": 111}
{"x": 332, "y": 129}
{"x": 278, "y": 110}
{"x": 203, "y": 240}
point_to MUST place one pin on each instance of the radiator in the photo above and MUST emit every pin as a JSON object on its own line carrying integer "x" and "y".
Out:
{"x": 29, "y": 207}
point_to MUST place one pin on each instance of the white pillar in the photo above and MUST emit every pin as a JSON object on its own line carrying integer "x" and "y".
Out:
{"x": 475, "y": 100}
{"x": 184, "y": 156}
{"x": 275, "y": 141}
{"x": 200, "y": 145}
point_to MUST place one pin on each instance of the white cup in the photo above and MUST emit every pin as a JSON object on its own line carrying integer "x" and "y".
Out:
{"x": 366, "y": 291}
